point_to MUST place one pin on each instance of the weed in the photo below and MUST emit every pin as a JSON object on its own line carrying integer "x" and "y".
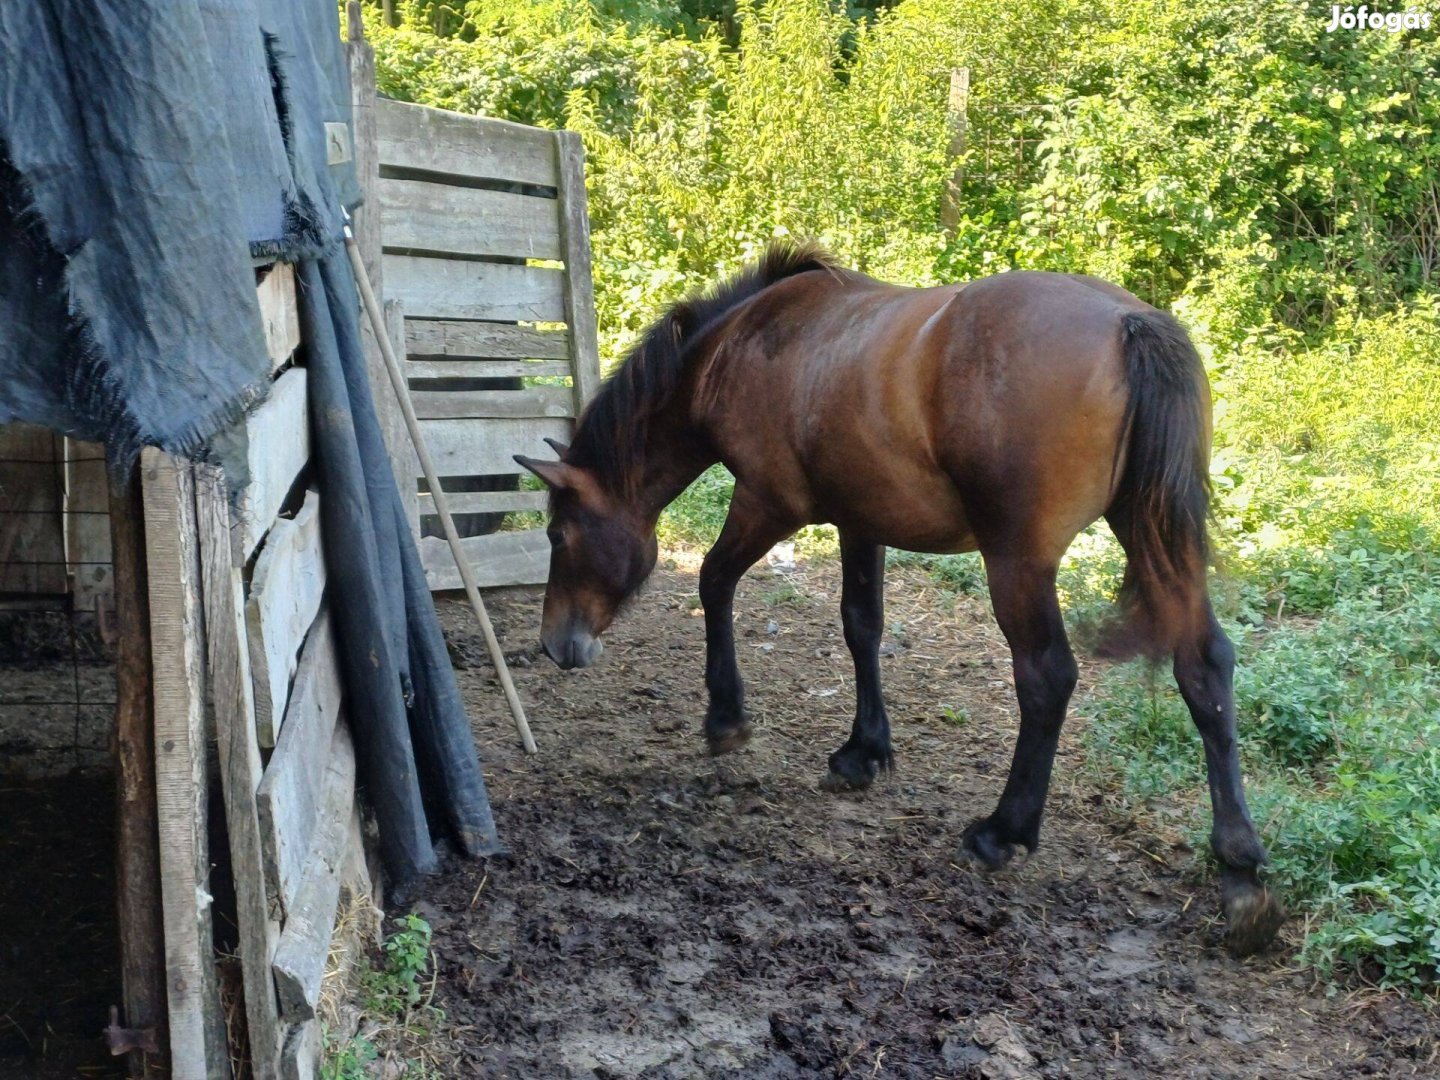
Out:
{"x": 400, "y": 1019}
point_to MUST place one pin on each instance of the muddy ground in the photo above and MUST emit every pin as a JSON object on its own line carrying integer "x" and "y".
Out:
{"x": 664, "y": 914}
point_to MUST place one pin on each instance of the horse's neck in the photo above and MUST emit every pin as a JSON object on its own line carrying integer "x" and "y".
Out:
{"x": 675, "y": 455}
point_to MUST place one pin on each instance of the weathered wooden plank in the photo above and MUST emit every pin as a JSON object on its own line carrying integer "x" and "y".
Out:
{"x": 433, "y": 140}
{"x": 580, "y": 286}
{"x": 427, "y": 338}
{"x": 279, "y": 446}
{"x": 305, "y": 942}
{"x": 368, "y": 235}
{"x": 288, "y": 799}
{"x": 280, "y": 313}
{"x": 531, "y": 402}
{"x": 177, "y": 640}
{"x": 464, "y": 289}
{"x": 304, "y": 1046}
{"x": 137, "y": 837}
{"x": 419, "y": 370}
{"x": 240, "y": 767}
{"x": 285, "y": 593}
{"x": 32, "y": 533}
{"x": 505, "y": 558}
{"x": 468, "y": 221}
{"x": 487, "y": 502}
{"x": 404, "y": 462}
{"x": 87, "y": 525}
{"x": 487, "y": 447}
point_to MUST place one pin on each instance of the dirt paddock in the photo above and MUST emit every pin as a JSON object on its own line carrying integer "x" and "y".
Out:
{"x": 664, "y": 914}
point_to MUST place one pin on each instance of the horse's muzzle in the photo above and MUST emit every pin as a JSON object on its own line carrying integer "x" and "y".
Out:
{"x": 574, "y": 649}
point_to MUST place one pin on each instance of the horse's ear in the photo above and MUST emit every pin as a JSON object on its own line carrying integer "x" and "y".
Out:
{"x": 555, "y": 474}
{"x": 560, "y": 448}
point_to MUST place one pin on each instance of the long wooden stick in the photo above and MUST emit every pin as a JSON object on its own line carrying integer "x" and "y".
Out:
{"x": 442, "y": 507}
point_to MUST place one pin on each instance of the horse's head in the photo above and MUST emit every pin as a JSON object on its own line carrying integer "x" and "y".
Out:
{"x": 601, "y": 550}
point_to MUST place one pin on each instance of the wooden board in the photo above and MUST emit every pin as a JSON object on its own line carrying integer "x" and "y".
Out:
{"x": 487, "y": 502}
{"x": 462, "y": 289}
{"x": 304, "y": 1047}
{"x": 310, "y": 922}
{"x": 403, "y": 462}
{"x": 474, "y": 448}
{"x": 280, "y": 314}
{"x": 177, "y": 638}
{"x": 484, "y": 369}
{"x": 427, "y": 338}
{"x": 531, "y": 402}
{"x": 87, "y": 525}
{"x": 32, "y": 534}
{"x": 141, "y": 930}
{"x": 285, "y": 593}
{"x": 279, "y": 446}
{"x": 240, "y": 767}
{"x": 433, "y": 140}
{"x": 506, "y": 558}
{"x": 421, "y": 216}
{"x": 365, "y": 107}
{"x": 288, "y": 799}
{"x": 579, "y": 286}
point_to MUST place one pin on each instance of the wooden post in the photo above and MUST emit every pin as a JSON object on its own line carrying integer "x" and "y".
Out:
{"x": 950, "y": 201}
{"x": 367, "y": 229}
{"x": 198, "y": 1047}
{"x": 240, "y": 766}
{"x": 579, "y": 285}
{"x": 137, "y": 839}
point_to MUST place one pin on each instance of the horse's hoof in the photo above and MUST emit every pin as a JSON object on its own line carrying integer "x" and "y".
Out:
{"x": 836, "y": 781}
{"x": 979, "y": 844}
{"x": 1253, "y": 915}
{"x": 730, "y": 739}
{"x": 854, "y": 770}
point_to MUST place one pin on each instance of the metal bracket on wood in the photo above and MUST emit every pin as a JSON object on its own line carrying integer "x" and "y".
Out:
{"x": 123, "y": 1040}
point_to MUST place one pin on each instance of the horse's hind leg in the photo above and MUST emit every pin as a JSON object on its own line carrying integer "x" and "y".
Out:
{"x": 1204, "y": 664}
{"x": 1023, "y": 593}
{"x": 862, "y": 610}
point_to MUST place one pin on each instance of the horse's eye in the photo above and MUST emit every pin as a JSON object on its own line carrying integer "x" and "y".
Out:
{"x": 557, "y": 538}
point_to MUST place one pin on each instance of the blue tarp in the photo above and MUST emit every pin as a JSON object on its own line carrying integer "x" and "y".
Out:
{"x": 150, "y": 152}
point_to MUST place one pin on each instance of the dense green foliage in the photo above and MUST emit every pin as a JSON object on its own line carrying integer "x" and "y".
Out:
{"x": 1276, "y": 185}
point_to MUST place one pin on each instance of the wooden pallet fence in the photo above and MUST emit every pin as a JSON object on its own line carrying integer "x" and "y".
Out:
{"x": 275, "y": 681}
{"x": 502, "y": 351}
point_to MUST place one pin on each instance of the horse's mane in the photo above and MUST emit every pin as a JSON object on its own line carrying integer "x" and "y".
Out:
{"x": 610, "y": 434}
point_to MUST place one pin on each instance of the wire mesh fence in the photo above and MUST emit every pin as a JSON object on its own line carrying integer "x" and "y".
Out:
{"x": 57, "y": 675}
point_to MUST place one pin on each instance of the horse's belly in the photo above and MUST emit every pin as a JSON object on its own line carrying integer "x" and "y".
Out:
{"x": 906, "y": 512}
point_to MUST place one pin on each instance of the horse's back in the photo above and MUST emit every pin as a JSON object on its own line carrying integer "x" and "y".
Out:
{"x": 925, "y": 417}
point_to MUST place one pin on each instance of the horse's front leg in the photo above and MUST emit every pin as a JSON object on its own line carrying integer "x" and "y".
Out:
{"x": 747, "y": 535}
{"x": 862, "y": 610}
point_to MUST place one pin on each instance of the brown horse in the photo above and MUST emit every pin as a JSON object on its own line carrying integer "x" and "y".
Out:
{"x": 1005, "y": 415}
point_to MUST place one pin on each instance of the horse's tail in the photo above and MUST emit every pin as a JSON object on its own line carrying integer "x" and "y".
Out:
{"x": 1162, "y": 501}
